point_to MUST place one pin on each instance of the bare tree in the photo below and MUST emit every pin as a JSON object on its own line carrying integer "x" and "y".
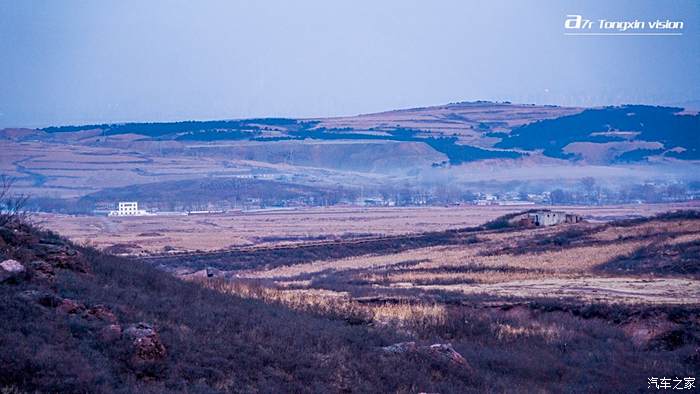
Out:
{"x": 11, "y": 205}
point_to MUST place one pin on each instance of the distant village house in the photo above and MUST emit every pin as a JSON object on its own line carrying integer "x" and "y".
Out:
{"x": 543, "y": 218}
{"x": 552, "y": 218}
{"x": 128, "y": 208}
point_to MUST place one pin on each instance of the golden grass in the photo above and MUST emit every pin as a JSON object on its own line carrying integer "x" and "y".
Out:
{"x": 420, "y": 314}
{"x": 570, "y": 260}
{"x": 507, "y": 332}
{"x": 335, "y": 303}
{"x": 565, "y": 261}
{"x": 466, "y": 277}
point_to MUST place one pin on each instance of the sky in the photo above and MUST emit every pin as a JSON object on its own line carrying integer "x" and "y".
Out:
{"x": 81, "y": 62}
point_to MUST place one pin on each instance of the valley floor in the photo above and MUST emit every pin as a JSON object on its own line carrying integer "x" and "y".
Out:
{"x": 583, "y": 262}
{"x": 152, "y": 234}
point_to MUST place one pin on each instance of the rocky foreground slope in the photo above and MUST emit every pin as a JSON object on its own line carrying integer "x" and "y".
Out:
{"x": 74, "y": 320}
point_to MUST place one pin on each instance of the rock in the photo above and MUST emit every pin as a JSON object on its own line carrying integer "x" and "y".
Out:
{"x": 63, "y": 256}
{"x": 101, "y": 312}
{"x": 201, "y": 274}
{"x": 11, "y": 271}
{"x": 73, "y": 262}
{"x": 110, "y": 333}
{"x": 42, "y": 269}
{"x": 139, "y": 330}
{"x": 446, "y": 353}
{"x": 441, "y": 353}
{"x": 70, "y": 307}
{"x": 12, "y": 266}
{"x": 146, "y": 342}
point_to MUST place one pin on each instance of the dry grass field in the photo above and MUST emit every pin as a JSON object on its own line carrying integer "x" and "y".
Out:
{"x": 594, "y": 262}
{"x": 555, "y": 262}
{"x": 518, "y": 303}
{"x": 218, "y": 231}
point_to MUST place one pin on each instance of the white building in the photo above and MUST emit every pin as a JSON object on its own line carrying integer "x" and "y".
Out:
{"x": 128, "y": 208}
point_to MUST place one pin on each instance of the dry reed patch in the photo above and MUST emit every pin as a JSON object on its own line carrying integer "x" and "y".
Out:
{"x": 414, "y": 315}
{"x": 570, "y": 260}
{"x": 338, "y": 304}
{"x": 507, "y": 332}
{"x": 564, "y": 261}
{"x": 296, "y": 284}
{"x": 320, "y": 301}
{"x": 417, "y": 277}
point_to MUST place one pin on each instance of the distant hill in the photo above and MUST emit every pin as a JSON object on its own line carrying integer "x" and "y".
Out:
{"x": 463, "y": 132}
{"x": 456, "y": 145}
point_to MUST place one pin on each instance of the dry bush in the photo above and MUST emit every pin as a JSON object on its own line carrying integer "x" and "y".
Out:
{"x": 510, "y": 332}
{"x": 11, "y": 205}
{"x": 322, "y": 303}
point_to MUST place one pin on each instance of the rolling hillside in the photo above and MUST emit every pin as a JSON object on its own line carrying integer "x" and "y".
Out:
{"x": 463, "y": 142}
{"x": 463, "y": 132}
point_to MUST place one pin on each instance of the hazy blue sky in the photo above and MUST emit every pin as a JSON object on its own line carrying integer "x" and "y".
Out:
{"x": 71, "y": 62}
